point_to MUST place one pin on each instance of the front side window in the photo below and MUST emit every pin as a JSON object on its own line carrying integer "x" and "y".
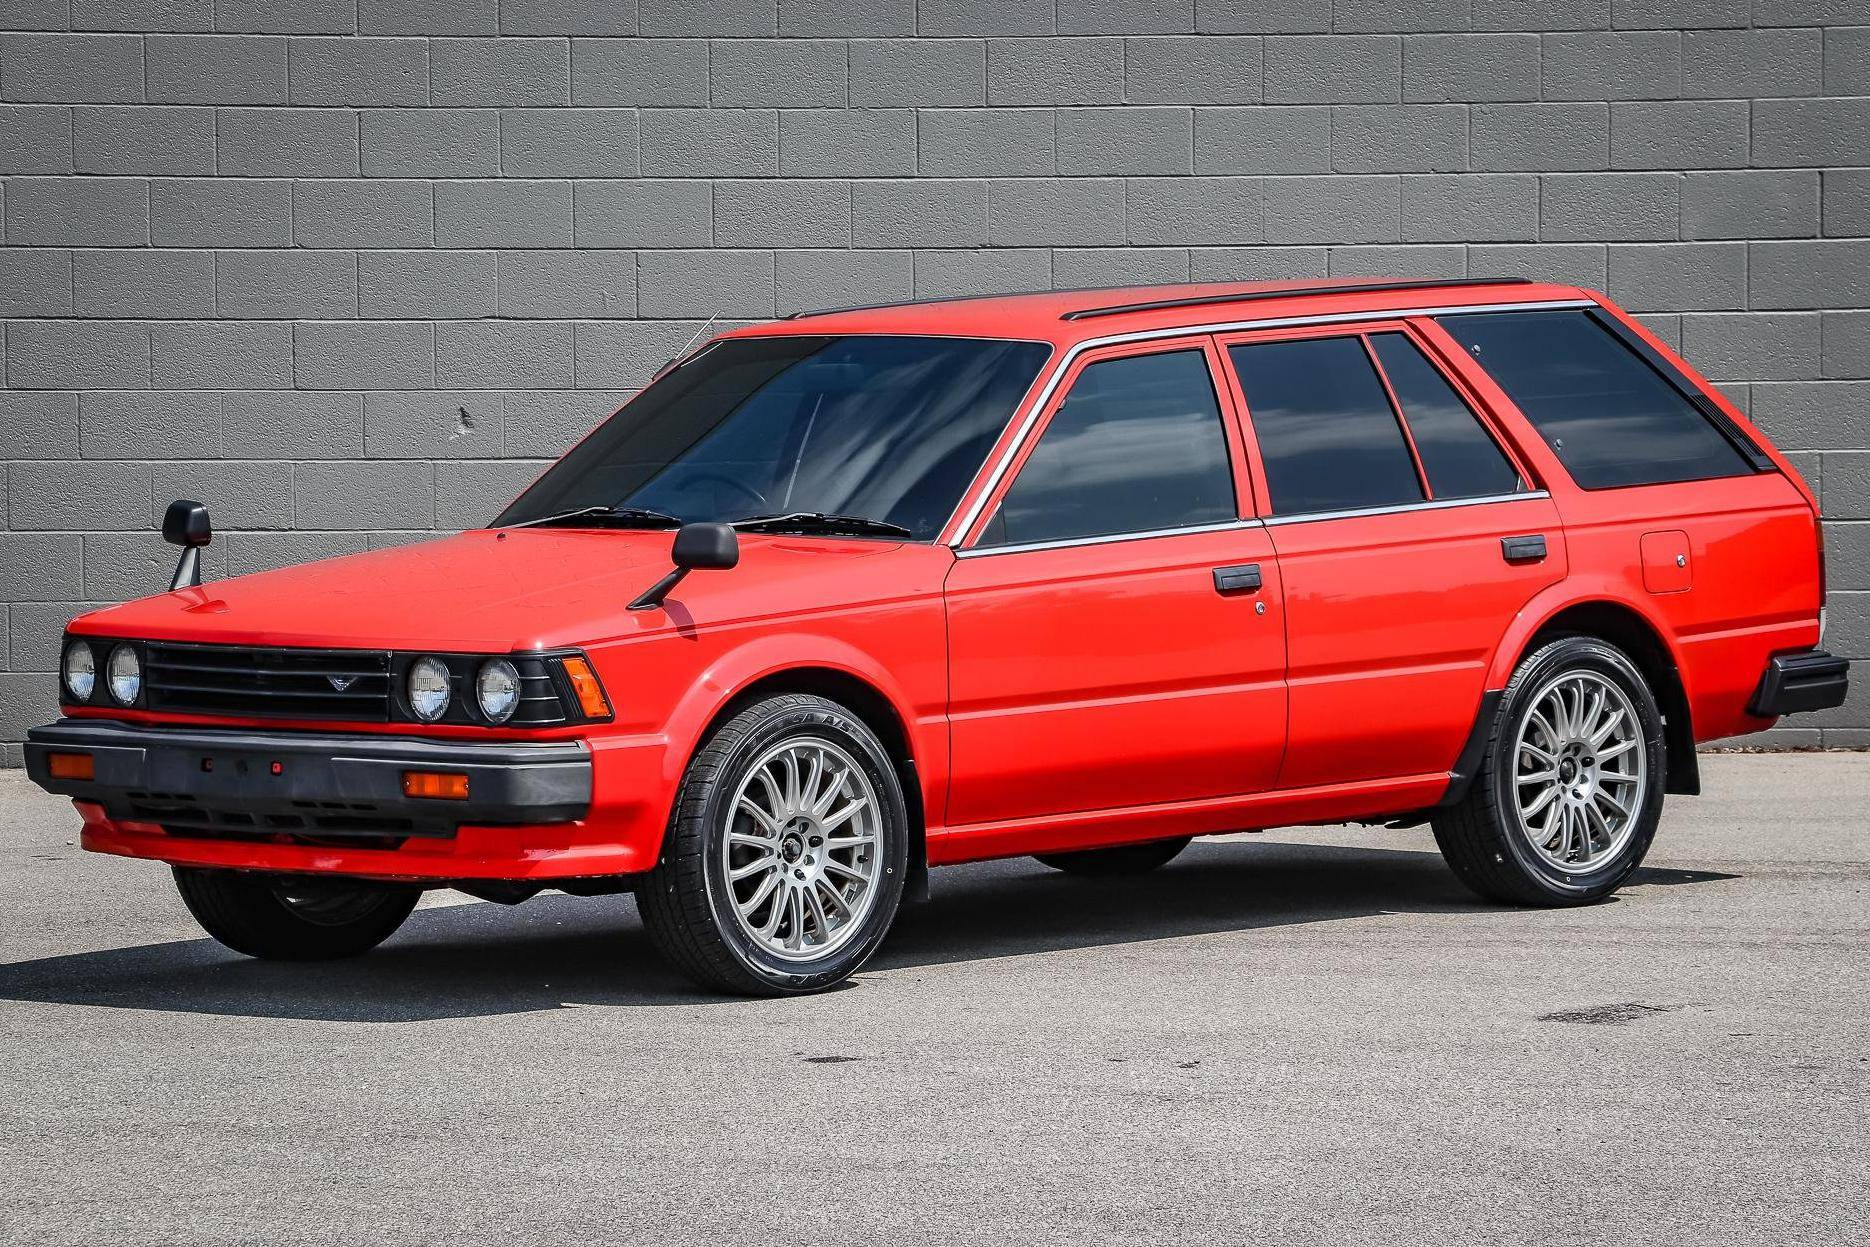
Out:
{"x": 888, "y": 428}
{"x": 1610, "y": 417}
{"x": 1137, "y": 447}
{"x": 1328, "y": 436}
{"x": 1460, "y": 457}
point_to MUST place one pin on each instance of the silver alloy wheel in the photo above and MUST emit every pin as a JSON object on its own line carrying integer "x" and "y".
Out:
{"x": 803, "y": 849}
{"x": 1579, "y": 771}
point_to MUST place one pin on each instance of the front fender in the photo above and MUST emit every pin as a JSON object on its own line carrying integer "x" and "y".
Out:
{"x": 901, "y": 662}
{"x": 732, "y": 673}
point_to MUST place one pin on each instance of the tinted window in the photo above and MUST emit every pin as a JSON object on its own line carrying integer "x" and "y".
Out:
{"x": 892, "y": 428}
{"x": 1461, "y": 458}
{"x": 1610, "y": 417}
{"x": 1327, "y": 433}
{"x": 1137, "y": 446}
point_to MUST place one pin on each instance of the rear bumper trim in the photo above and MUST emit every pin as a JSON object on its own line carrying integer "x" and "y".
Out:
{"x": 1795, "y": 683}
{"x": 313, "y": 783}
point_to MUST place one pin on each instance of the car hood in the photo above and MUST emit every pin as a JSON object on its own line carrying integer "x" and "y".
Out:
{"x": 518, "y": 589}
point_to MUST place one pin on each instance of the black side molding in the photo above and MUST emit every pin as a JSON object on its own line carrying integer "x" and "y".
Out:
{"x": 1795, "y": 683}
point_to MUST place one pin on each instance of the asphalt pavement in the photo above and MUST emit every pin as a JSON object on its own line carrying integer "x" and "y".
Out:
{"x": 1306, "y": 1036}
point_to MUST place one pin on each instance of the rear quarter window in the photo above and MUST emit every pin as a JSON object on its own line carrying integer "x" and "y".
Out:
{"x": 1611, "y": 417}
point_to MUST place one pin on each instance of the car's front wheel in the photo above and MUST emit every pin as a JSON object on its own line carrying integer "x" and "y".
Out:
{"x": 783, "y": 865}
{"x": 1568, "y": 798}
{"x": 284, "y": 917}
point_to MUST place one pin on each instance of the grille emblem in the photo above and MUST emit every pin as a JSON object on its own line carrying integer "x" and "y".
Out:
{"x": 341, "y": 682}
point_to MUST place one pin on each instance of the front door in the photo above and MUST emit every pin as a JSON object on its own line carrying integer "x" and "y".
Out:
{"x": 1408, "y": 538}
{"x": 1116, "y": 631}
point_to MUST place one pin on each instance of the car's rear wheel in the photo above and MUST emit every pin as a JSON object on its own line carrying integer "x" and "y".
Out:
{"x": 784, "y": 860}
{"x": 1122, "y": 859}
{"x": 1570, "y": 792}
{"x": 285, "y": 917}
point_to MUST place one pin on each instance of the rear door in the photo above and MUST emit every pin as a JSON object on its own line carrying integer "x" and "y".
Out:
{"x": 1115, "y": 632}
{"x": 1408, "y": 538}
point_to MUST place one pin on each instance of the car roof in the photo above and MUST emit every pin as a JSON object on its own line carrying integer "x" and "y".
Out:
{"x": 1067, "y": 317}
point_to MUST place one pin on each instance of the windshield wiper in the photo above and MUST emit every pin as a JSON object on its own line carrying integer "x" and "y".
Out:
{"x": 621, "y": 517}
{"x": 822, "y": 522}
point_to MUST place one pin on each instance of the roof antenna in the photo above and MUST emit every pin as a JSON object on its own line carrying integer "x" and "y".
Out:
{"x": 676, "y": 359}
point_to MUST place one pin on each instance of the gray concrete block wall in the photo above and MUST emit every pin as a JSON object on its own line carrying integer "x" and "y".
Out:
{"x": 352, "y": 270}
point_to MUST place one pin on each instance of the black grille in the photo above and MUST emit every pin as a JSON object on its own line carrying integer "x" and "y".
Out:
{"x": 302, "y": 821}
{"x": 352, "y": 685}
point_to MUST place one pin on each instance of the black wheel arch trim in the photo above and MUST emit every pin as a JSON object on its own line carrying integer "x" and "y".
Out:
{"x": 1474, "y": 753}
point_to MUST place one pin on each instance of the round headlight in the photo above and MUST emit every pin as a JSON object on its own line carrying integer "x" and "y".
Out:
{"x": 126, "y": 675}
{"x": 80, "y": 669}
{"x": 498, "y": 690}
{"x": 428, "y": 689}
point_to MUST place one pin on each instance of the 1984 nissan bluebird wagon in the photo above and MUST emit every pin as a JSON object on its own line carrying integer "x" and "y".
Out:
{"x": 1078, "y": 575}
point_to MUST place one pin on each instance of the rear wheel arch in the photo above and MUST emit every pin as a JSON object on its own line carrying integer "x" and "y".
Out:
{"x": 1631, "y": 631}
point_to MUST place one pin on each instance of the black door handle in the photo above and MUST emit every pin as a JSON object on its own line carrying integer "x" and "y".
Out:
{"x": 1523, "y": 549}
{"x": 1244, "y": 578}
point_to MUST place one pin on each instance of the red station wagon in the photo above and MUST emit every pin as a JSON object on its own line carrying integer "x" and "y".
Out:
{"x": 1078, "y": 575}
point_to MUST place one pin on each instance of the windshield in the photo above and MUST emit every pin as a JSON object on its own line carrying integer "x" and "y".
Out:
{"x": 888, "y": 429}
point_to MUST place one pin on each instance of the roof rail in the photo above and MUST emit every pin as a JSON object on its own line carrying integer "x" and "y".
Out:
{"x": 1355, "y": 287}
{"x": 946, "y": 298}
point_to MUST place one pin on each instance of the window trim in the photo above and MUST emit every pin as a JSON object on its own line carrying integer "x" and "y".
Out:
{"x": 1477, "y": 406}
{"x": 1363, "y": 332}
{"x": 1058, "y": 392}
{"x": 1312, "y": 517}
{"x": 963, "y": 525}
{"x": 1445, "y": 504}
{"x": 1699, "y": 399}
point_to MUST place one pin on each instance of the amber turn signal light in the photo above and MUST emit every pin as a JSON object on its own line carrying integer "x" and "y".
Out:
{"x": 71, "y": 765}
{"x": 590, "y": 692}
{"x": 435, "y": 785}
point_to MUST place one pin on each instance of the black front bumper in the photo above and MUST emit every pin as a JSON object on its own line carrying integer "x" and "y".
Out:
{"x": 1793, "y": 683}
{"x": 229, "y": 781}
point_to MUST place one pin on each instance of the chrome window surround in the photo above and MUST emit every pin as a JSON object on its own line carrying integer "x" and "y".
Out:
{"x": 1443, "y": 504}
{"x": 1064, "y": 363}
{"x": 1276, "y": 521}
{"x": 973, "y": 552}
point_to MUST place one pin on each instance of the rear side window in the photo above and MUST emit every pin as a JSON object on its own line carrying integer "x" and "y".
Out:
{"x": 1461, "y": 458}
{"x": 1137, "y": 446}
{"x": 1611, "y": 418}
{"x": 1328, "y": 436}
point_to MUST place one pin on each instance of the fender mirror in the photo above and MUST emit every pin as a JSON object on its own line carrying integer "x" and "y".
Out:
{"x": 186, "y": 524}
{"x": 698, "y": 547}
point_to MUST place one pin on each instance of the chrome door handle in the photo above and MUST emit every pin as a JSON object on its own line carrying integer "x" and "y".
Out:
{"x": 1244, "y": 578}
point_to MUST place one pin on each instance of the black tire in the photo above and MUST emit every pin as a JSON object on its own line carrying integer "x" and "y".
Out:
{"x": 294, "y": 917}
{"x": 686, "y": 902}
{"x": 1122, "y": 859}
{"x": 1481, "y": 836}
